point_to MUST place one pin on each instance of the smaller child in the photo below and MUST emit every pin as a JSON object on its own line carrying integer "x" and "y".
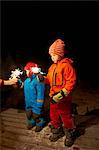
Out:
{"x": 34, "y": 97}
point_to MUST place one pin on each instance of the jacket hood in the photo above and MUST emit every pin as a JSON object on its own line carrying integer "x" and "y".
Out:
{"x": 67, "y": 60}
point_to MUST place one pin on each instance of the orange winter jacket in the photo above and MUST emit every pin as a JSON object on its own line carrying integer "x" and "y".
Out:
{"x": 61, "y": 75}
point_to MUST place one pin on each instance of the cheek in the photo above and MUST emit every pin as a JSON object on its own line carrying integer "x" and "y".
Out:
{"x": 56, "y": 59}
{"x": 52, "y": 58}
{"x": 27, "y": 73}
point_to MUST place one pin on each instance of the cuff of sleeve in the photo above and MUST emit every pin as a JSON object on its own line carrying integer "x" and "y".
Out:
{"x": 2, "y": 82}
{"x": 64, "y": 92}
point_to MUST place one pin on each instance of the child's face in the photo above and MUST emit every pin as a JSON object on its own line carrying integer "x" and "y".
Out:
{"x": 27, "y": 73}
{"x": 54, "y": 58}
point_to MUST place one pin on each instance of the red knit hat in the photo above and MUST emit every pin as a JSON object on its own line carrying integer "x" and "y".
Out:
{"x": 57, "y": 48}
{"x": 29, "y": 66}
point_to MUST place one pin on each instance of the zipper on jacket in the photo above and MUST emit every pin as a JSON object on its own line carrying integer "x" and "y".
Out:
{"x": 54, "y": 77}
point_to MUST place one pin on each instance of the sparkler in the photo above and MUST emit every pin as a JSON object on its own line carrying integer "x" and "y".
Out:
{"x": 16, "y": 74}
{"x": 37, "y": 70}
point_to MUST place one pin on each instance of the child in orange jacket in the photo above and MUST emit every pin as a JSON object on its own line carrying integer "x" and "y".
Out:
{"x": 62, "y": 78}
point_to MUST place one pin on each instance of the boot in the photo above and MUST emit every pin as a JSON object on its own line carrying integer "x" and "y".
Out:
{"x": 51, "y": 127}
{"x": 35, "y": 116}
{"x": 78, "y": 132}
{"x": 56, "y": 134}
{"x": 69, "y": 141}
{"x": 39, "y": 124}
{"x": 38, "y": 128}
{"x": 29, "y": 114}
{"x": 30, "y": 124}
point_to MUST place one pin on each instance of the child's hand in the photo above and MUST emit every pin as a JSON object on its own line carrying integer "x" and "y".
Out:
{"x": 40, "y": 77}
{"x": 12, "y": 81}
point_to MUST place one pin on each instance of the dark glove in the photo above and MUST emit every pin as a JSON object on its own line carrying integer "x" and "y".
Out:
{"x": 40, "y": 77}
{"x": 19, "y": 83}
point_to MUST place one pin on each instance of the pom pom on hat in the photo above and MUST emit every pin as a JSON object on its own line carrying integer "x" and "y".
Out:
{"x": 57, "y": 48}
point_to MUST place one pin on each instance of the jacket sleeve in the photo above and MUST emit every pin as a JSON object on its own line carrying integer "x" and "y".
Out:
{"x": 69, "y": 77}
{"x": 47, "y": 78}
{"x": 1, "y": 82}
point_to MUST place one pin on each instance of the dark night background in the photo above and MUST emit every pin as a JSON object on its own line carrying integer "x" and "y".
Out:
{"x": 28, "y": 29}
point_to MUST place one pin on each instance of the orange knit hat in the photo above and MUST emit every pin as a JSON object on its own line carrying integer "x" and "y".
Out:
{"x": 57, "y": 48}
